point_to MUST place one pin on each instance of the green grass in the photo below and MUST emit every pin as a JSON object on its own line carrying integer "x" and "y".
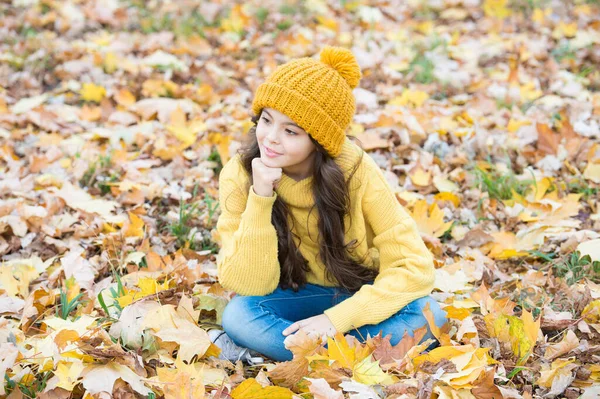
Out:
{"x": 423, "y": 68}
{"x": 216, "y": 157}
{"x": 284, "y": 25}
{"x": 288, "y": 9}
{"x": 262, "y": 13}
{"x": 581, "y": 186}
{"x": 421, "y": 65}
{"x": 184, "y": 230}
{"x": 499, "y": 185}
{"x": 67, "y": 306}
{"x": 526, "y": 7}
{"x": 573, "y": 268}
{"x": 31, "y": 390}
{"x": 99, "y": 174}
{"x": 563, "y": 51}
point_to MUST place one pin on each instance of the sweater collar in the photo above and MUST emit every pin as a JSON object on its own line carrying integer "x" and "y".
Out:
{"x": 299, "y": 193}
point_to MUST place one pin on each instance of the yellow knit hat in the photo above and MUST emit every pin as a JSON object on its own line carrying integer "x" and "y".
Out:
{"x": 317, "y": 95}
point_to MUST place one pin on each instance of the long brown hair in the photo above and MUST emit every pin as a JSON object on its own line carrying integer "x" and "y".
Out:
{"x": 332, "y": 199}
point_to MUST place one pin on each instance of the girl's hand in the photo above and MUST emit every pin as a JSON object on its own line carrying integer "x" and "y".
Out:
{"x": 319, "y": 326}
{"x": 264, "y": 177}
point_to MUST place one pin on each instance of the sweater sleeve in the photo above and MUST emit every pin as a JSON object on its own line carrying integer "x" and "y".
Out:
{"x": 247, "y": 262}
{"x": 406, "y": 269}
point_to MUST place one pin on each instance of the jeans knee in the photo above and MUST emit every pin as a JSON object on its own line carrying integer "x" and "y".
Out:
{"x": 233, "y": 318}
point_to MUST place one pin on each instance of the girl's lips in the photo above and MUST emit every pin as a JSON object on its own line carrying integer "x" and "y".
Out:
{"x": 271, "y": 153}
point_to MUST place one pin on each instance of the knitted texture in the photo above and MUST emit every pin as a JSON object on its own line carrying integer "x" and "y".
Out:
{"x": 247, "y": 262}
{"x": 317, "y": 95}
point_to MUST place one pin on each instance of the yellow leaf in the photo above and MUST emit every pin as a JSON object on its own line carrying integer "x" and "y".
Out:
{"x": 420, "y": 177}
{"x": 182, "y": 382}
{"x": 521, "y": 333}
{"x": 159, "y": 88}
{"x": 149, "y": 286}
{"x": 496, "y": 8}
{"x": 437, "y": 331}
{"x": 134, "y": 227}
{"x": 92, "y": 92}
{"x": 72, "y": 287}
{"x": 447, "y": 196}
{"x": 126, "y": 299}
{"x": 222, "y": 143}
{"x": 457, "y": 313}
{"x": 171, "y": 325}
{"x": 539, "y": 15}
{"x": 559, "y": 367}
{"x": 514, "y": 125}
{"x": 453, "y": 353}
{"x": 237, "y": 20}
{"x": 352, "y": 5}
{"x": 430, "y": 219}
{"x": 414, "y": 98}
{"x": 368, "y": 372}
{"x": 110, "y": 63}
{"x": 591, "y": 312}
{"x": 15, "y": 278}
{"x": 529, "y": 92}
{"x": 328, "y": 23}
{"x": 564, "y": 30}
{"x": 124, "y": 98}
{"x": 251, "y": 389}
{"x": 592, "y": 172}
{"x": 340, "y": 351}
{"x": 424, "y": 27}
{"x": 185, "y": 132}
{"x": 68, "y": 374}
{"x": 504, "y": 246}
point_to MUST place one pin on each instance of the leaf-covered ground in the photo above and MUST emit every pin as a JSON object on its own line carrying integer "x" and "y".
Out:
{"x": 117, "y": 116}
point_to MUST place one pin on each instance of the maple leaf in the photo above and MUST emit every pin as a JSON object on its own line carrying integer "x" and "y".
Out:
{"x": 178, "y": 325}
{"x": 430, "y": 219}
{"x": 569, "y": 342}
{"x": 320, "y": 389}
{"x": 101, "y": 378}
{"x": 289, "y": 373}
{"x": 184, "y": 131}
{"x": 134, "y": 226}
{"x": 521, "y": 333}
{"x": 251, "y": 389}
{"x": 368, "y": 372}
{"x": 92, "y": 92}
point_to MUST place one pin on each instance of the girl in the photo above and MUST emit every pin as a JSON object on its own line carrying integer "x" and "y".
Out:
{"x": 312, "y": 235}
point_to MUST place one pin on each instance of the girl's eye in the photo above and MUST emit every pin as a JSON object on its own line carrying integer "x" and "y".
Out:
{"x": 265, "y": 119}
{"x": 288, "y": 130}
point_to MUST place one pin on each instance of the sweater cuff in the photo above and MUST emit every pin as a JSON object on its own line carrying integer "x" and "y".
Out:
{"x": 343, "y": 315}
{"x": 258, "y": 203}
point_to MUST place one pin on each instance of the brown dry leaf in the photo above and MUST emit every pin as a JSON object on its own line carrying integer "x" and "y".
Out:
{"x": 288, "y": 374}
{"x": 569, "y": 342}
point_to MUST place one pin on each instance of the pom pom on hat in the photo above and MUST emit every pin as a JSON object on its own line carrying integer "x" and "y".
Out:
{"x": 343, "y": 61}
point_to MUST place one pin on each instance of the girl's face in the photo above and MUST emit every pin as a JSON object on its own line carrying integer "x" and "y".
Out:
{"x": 291, "y": 147}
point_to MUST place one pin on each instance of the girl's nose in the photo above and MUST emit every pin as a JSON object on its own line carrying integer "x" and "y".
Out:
{"x": 272, "y": 135}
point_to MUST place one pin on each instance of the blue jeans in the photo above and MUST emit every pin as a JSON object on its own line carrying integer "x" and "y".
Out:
{"x": 257, "y": 322}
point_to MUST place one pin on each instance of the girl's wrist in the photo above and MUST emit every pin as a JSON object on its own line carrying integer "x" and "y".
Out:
{"x": 262, "y": 192}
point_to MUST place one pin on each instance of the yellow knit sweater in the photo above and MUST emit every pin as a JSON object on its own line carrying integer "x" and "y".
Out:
{"x": 248, "y": 263}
